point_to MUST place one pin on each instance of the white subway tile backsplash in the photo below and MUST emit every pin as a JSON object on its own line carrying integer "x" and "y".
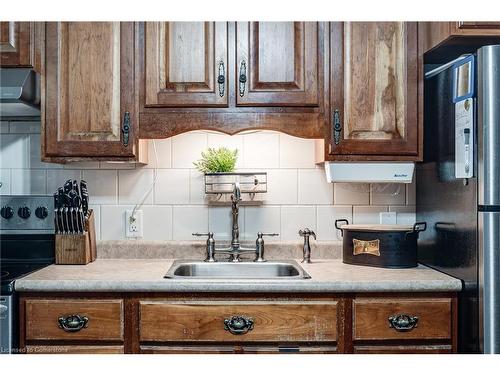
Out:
{"x": 14, "y": 151}
{"x": 219, "y": 221}
{"x": 313, "y": 188}
{"x": 187, "y": 220}
{"x": 5, "y": 181}
{"x": 157, "y": 223}
{"x": 294, "y": 218}
{"x": 102, "y": 185}
{"x": 281, "y": 186}
{"x": 296, "y": 152}
{"x": 387, "y": 194}
{"x": 405, "y": 215}
{"x": 187, "y": 148}
{"x": 113, "y": 222}
{"x": 261, "y": 150}
{"x": 367, "y": 214}
{"x": 27, "y": 181}
{"x": 172, "y": 186}
{"x": 35, "y": 155}
{"x": 326, "y": 216}
{"x": 163, "y": 151}
{"x": 196, "y": 187}
{"x": 57, "y": 177}
{"x": 133, "y": 184}
{"x": 266, "y": 219}
{"x": 351, "y": 193}
{"x": 298, "y": 195}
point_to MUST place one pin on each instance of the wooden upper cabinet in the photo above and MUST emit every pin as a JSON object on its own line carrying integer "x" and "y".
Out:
{"x": 478, "y": 25}
{"x": 277, "y": 63}
{"x": 16, "y": 40}
{"x": 232, "y": 76}
{"x": 374, "y": 76}
{"x": 186, "y": 64}
{"x": 89, "y": 90}
{"x": 458, "y": 38}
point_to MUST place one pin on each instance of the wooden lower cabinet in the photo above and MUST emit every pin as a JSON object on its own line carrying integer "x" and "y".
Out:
{"x": 199, "y": 321}
{"x": 212, "y": 323}
{"x": 401, "y": 318}
{"x": 72, "y": 319}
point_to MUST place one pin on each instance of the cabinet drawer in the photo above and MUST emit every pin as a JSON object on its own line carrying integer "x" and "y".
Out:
{"x": 429, "y": 318}
{"x": 56, "y": 319}
{"x": 403, "y": 349}
{"x": 239, "y": 349}
{"x": 218, "y": 322}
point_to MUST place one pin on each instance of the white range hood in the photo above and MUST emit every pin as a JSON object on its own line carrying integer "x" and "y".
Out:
{"x": 369, "y": 172}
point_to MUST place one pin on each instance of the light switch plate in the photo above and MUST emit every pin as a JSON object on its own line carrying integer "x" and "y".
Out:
{"x": 388, "y": 218}
{"x": 133, "y": 224}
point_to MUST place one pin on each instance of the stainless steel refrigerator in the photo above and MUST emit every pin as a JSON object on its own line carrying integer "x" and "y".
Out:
{"x": 458, "y": 189}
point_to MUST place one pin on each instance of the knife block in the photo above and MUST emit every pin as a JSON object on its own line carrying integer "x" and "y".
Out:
{"x": 77, "y": 248}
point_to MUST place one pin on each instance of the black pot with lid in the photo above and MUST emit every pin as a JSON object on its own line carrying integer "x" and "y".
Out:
{"x": 388, "y": 246}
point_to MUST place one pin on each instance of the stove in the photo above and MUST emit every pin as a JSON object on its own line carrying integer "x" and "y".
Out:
{"x": 26, "y": 245}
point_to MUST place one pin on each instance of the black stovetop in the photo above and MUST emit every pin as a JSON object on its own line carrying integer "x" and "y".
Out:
{"x": 26, "y": 242}
{"x": 9, "y": 272}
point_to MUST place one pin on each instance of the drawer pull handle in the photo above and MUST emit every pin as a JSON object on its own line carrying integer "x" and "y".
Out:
{"x": 221, "y": 79}
{"x": 238, "y": 325}
{"x": 242, "y": 80}
{"x": 73, "y": 323}
{"x": 403, "y": 322}
{"x": 337, "y": 127}
{"x": 126, "y": 128}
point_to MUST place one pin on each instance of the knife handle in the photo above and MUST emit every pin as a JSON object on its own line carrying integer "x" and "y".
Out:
{"x": 68, "y": 185}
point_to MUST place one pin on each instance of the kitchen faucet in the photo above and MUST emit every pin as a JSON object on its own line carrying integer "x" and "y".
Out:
{"x": 235, "y": 249}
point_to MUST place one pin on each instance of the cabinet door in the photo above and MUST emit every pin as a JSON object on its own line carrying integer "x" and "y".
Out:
{"x": 277, "y": 64}
{"x": 186, "y": 64}
{"x": 89, "y": 90}
{"x": 373, "y": 89}
{"x": 15, "y": 44}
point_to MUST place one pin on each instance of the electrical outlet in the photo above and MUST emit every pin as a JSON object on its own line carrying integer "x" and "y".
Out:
{"x": 133, "y": 224}
{"x": 388, "y": 217}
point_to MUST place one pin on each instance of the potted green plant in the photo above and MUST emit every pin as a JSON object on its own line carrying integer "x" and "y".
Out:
{"x": 218, "y": 165}
{"x": 220, "y": 160}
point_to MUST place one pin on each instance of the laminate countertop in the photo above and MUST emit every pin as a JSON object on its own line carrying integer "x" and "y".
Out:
{"x": 146, "y": 275}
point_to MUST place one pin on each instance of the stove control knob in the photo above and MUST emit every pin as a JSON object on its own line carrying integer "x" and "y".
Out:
{"x": 41, "y": 212}
{"x": 7, "y": 212}
{"x": 24, "y": 212}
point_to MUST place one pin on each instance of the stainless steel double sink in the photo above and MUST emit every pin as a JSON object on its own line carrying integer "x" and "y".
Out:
{"x": 275, "y": 270}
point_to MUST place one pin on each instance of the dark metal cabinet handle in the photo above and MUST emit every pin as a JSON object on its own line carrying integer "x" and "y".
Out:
{"x": 337, "y": 127}
{"x": 238, "y": 325}
{"x": 221, "y": 79}
{"x": 403, "y": 322}
{"x": 126, "y": 128}
{"x": 242, "y": 80}
{"x": 73, "y": 323}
